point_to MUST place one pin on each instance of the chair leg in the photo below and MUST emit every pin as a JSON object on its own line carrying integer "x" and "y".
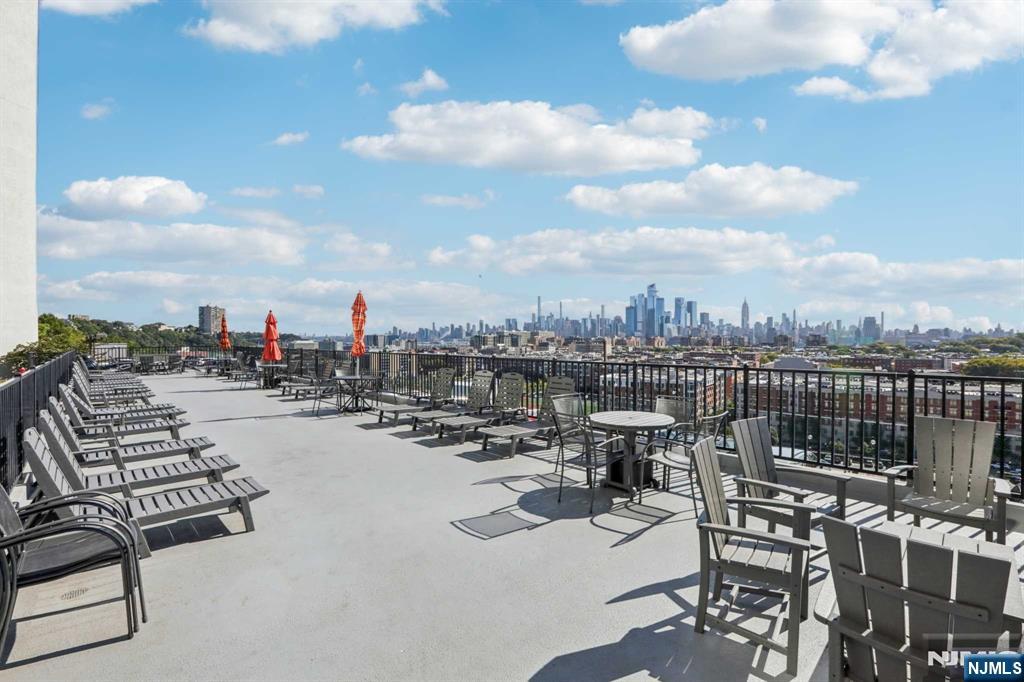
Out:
{"x": 243, "y": 505}
{"x": 561, "y": 477}
{"x": 702, "y": 601}
{"x": 593, "y": 492}
{"x": 835, "y": 654}
{"x": 717, "y": 586}
{"x": 793, "y": 635}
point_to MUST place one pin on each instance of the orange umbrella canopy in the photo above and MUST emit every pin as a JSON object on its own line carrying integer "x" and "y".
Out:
{"x": 225, "y": 342}
{"x": 271, "y": 351}
{"x": 358, "y": 326}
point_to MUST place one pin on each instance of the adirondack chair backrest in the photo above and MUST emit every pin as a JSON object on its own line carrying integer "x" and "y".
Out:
{"x": 508, "y": 395}
{"x": 71, "y": 410}
{"x": 677, "y": 407}
{"x": 872, "y": 585}
{"x": 754, "y": 449}
{"x": 70, "y": 398}
{"x": 48, "y": 475}
{"x": 326, "y": 369}
{"x": 10, "y": 522}
{"x": 709, "y": 477}
{"x": 556, "y": 385}
{"x": 63, "y": 422}
{"x": 61, "y": 450}
{"x": 954, "y": 459}
{"x": 441, "y": 382}
{"x": 480, "y": 390}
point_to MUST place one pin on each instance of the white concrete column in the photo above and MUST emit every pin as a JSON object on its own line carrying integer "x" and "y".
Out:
{"x": 19, "y": 31}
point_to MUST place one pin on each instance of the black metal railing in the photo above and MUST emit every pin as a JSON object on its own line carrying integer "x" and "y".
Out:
{"x": 21, "y": 399}
{"x": 851, "y": 419}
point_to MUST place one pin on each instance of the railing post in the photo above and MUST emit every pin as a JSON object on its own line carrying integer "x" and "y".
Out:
{"x": 746, "y": 392}
{"x": 911, "y": 413}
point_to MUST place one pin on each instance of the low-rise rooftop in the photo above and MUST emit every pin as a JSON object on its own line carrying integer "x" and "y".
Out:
{"x": 383, "y": 553}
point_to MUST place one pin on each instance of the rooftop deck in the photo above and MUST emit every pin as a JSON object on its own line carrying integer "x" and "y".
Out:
{"x": 386, "y": 554}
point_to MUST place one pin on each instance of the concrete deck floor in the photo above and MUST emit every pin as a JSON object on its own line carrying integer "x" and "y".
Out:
{"x": 383, "y": 554}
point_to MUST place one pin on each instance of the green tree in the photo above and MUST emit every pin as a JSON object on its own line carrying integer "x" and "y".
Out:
{"x": 56, "y": 336}
{"x": 1000, "y": 366}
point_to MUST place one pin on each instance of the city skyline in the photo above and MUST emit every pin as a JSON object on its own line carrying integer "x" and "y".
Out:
{"x": 338, "y": 153}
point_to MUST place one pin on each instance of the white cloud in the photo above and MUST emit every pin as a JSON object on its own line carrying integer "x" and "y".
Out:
{"x": 428, "y": 82}
{"x": 865, "y": 274}
{"x": 67, "y": 238}
{"x": 686, "y": 251}
{"x": 351, "y": 252}
{"x": 255, "y": 192}
{"x": 831, "y": 86}
{"x": 263, "y": 217}
{"x": 366, "y": 89}
{"x": 285, "y": 139}
{"x": 95, "y": 8}
{"x": 536, "y": 137}
{"x": 467, "y": 201}
{"x": 760, "y": 123}
{"x": 274, "y": 26}
{"x": 171, "y": 307}
{"x": 717, "y": 190}
{"x": 358, "y": 65}
{"x": 309, "y": 191}
{"x": 310, "y": 301}
{"x": 903, "y": 47}
{"x": 93, "y": 111}
{"x": 151, "y": 196}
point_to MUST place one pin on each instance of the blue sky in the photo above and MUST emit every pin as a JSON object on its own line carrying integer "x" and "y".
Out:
{"x": 456, "y": 160}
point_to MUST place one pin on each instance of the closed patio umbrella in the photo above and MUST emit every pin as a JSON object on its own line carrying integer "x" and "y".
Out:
{"x": 225, "y": 341}
{"x": 271, "y": 351}
{"x": 358, "y": 328}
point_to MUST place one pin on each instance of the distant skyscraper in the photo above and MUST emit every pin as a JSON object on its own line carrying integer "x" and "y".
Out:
{"x": 691, "y": 313}
{"x": 538, "y": 310}
{"x": 745, "y": 316}
{"x": 209, "y": 319}
{"x": 678, "y": 310}
{"x": 870, "y": 330}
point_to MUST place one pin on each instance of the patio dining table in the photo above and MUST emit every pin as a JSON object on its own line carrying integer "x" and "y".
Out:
{"x": 629, "y": 423}
{"x": 268, "y": 371}
{"x": 353, "y": 400}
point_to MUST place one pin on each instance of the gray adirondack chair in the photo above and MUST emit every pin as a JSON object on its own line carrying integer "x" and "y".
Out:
{"x": 508, "y": 397}
{"x": 441, "y": 382}
{"x": 761, "y": 477}
{"x": 144, "y": 510}
{"x": 109, "y": 450}
{"x": 481, "y": 386}
{"x": 778, "y": 561}
{"x": 886, "y": 612}
{"x": 543, "y": 428}
{"x": 476, "y": 411}
{"x": 952, "y": 477}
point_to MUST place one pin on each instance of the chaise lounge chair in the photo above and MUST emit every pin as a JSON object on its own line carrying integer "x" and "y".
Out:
{"x": 146, "y": 510}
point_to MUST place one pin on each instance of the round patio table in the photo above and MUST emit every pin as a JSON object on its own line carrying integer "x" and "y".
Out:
{"x": 629, "y": 423}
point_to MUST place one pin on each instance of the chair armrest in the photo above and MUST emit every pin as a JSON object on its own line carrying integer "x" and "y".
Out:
{"x": 87, "y": 497}
{"x": 608, "y": 442}
{"x": 809, "y": 471}
{"x": 1001, "y": 487}
{"x": 72, "y": 526}
{"x": 795, "y": 492}
{"x": 785, "y": 540}
{"x": 780, "y": 504}
{"x": 893, "y": 472}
